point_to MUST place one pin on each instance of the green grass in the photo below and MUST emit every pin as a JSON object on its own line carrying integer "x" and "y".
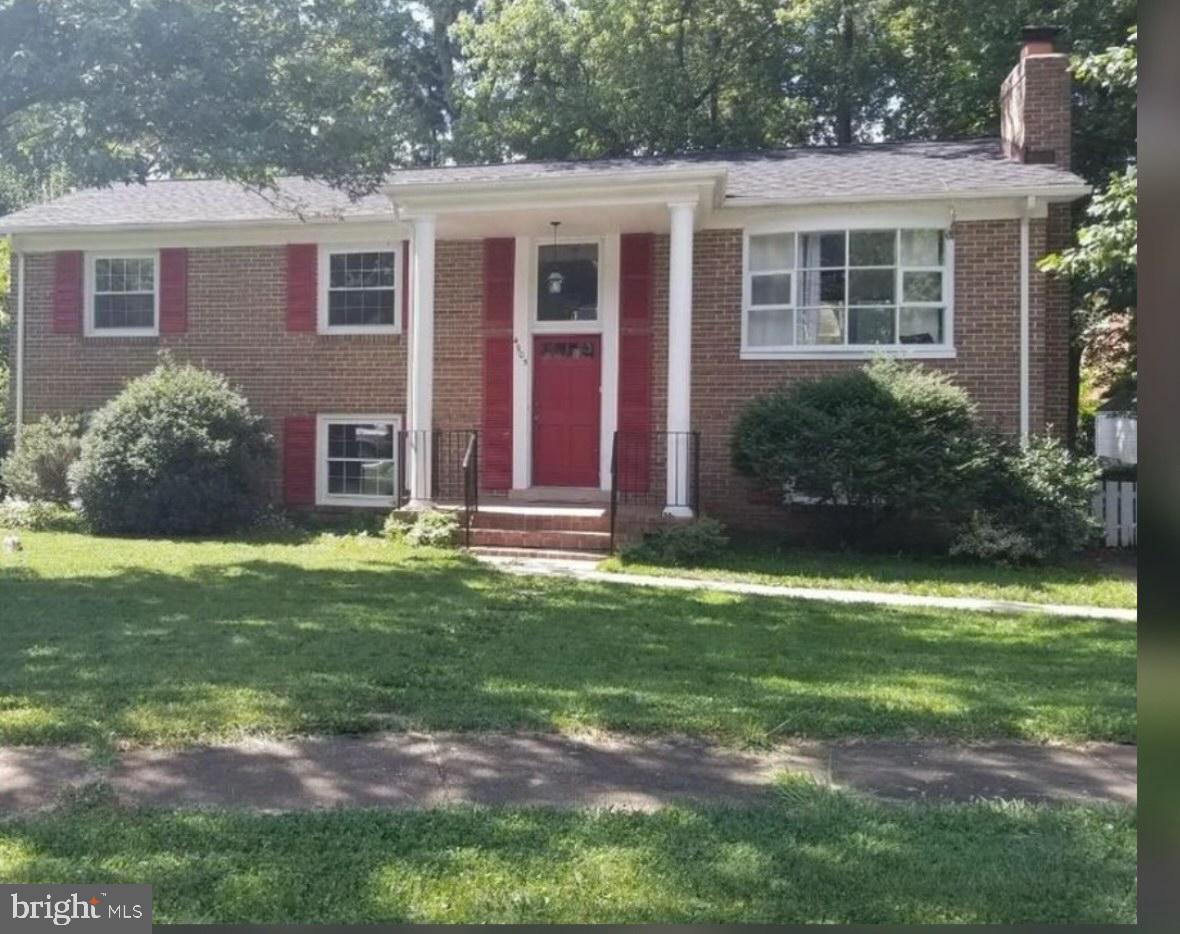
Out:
{"x": 1086, "y": 582}
{"x": 814, "y": 855}
{"x": 176, "y": 642}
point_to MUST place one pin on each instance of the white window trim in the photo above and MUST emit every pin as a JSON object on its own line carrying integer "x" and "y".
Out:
{"x": 565, "y": 327}
{"x": 88, "y": 284}
{"x": 322, "y": 496}
{"x": 324, "y": 254}
{"x": 943, "y": 351}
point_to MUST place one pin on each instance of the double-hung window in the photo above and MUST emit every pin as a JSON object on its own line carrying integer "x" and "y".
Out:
{"x": 360, "y": 291}
{"x": 122, "y": 296}
{"x": 357, "y": 459}
{"x": 846, "y": 292}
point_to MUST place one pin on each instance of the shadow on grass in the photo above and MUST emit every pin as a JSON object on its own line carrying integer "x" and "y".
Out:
{"x": 212, "y": 650}
{"x": 810, "y": 856}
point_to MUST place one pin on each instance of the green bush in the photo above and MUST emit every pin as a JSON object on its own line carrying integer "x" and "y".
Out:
{"x": 432, "y": 528}
{"x": 435, "y": 528}
{"x": 1034, "y": 504}
{"x": 176, "y": 452}
{"x": 398, "y": 524}
{"x": 682, "y": 544}
{"x": 38, "y": 468}
{"x": 886, "y": 441}
{"x": 38, "y": 516}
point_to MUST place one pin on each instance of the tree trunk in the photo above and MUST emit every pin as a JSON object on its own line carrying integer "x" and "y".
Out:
{"x": 844, "y": 99}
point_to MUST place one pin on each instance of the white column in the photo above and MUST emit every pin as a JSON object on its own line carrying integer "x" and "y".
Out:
{"x": 679, "y": 357}
{"x": 420, "y": 414}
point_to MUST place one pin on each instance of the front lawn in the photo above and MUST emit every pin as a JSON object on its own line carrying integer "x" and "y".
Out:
{"x": 762, "y": 560}
{"x": 175, "y": 642}
{"x": 812, "y": 856}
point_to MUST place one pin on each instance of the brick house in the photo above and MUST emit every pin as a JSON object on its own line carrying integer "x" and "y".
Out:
{"x": 598, "y": 323}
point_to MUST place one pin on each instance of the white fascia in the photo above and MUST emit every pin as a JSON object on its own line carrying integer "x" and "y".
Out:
{"x": 598, "y": 190}
{"x": 207, "y": 234}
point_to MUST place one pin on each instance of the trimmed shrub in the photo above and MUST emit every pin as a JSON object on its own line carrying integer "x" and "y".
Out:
{"x": 886, "y": 441}
{"x": 683, "y": 544}
{"x": 38, "y": 468}
{"x": 176, "y": 452}
{"x": 1034, "y": 504}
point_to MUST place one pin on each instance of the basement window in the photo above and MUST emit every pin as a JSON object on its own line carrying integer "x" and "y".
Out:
{"x": 357, "y": 463}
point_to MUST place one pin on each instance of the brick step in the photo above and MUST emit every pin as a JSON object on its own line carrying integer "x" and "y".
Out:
{"x": 588, "y": 558}
{"x": 516, "y": 521}
{"x": 541, "y": 538}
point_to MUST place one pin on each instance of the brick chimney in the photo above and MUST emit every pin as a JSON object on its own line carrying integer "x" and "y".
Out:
{"x": 1035, "y": 101}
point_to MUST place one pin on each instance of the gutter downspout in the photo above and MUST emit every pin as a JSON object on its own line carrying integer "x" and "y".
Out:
{"x": 19, "y": 374}
{"x": 1024, "y": 323}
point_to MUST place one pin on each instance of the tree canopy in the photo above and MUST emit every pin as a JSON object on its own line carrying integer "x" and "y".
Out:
{"x": 123, "y": 90}
{"x": 1102, "y": 264}
{"x": 111, "y": 90}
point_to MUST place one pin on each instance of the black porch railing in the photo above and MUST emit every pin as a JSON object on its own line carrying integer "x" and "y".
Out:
{"x": 656, "y": 469}
{"x": 453, "y": 460}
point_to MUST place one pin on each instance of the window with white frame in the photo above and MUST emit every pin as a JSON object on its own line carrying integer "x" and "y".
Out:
{"x": 123, "y": 293}
{"x": 359, "y": 290}
{"x": 567, "y": 282}
{"x": 828, "y": 291}
{"x": 357, "y": 459}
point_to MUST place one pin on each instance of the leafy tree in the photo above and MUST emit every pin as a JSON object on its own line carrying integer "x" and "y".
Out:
{"x": 557, "y": 78}
{"x": 129, "y": 89}
{"x": 553, "y": 79}
{"x": 943, "y": 62}
{"x": 1102, "y": 263}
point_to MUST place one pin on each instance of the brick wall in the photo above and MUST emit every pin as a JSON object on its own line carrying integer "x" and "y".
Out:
{"x": 458, "y": 363}
{"x": 1035, "y": 119}
{"x": 987, "y": 332}
{"x": 237, "y": 326}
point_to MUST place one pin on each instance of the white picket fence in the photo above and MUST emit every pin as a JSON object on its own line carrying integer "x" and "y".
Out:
{"x": 1116, "y": 506}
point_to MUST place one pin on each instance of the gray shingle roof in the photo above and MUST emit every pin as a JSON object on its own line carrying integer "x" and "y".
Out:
{"x": 877, "y": 170}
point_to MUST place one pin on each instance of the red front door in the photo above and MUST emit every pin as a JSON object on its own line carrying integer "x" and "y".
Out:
{"x": 567, "y": 374}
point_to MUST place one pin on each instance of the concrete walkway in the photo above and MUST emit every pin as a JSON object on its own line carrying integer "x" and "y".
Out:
{"x": 586, "y": 570}
{"x": 418, "y": 771}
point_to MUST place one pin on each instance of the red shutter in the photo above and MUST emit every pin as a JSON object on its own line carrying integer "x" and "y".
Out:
{"x": 405, "y": 286}
{"x": 496, "y": 435}
{"x": 299, "y": 460}
{"x": 67, "y": 292}
{"x": 173, "y": 291}
{"x": 636, "y": 289}
{"x": 499, "y": 262}
{"x": 635, "y": 275}
{"x": 301, "y": 286}
{"x": 499, "y": 265}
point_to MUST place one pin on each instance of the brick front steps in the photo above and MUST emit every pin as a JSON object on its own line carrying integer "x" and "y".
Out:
{"x": 539, "y": 526}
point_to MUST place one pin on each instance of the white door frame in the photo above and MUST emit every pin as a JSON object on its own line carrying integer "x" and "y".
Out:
{"x": 524, "y": 326}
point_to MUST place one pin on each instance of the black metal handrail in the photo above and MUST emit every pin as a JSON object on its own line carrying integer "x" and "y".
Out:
{"x": 639, "y": 471}
{"x": 470, "y": 485}
{"x": 454, "y": 468}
